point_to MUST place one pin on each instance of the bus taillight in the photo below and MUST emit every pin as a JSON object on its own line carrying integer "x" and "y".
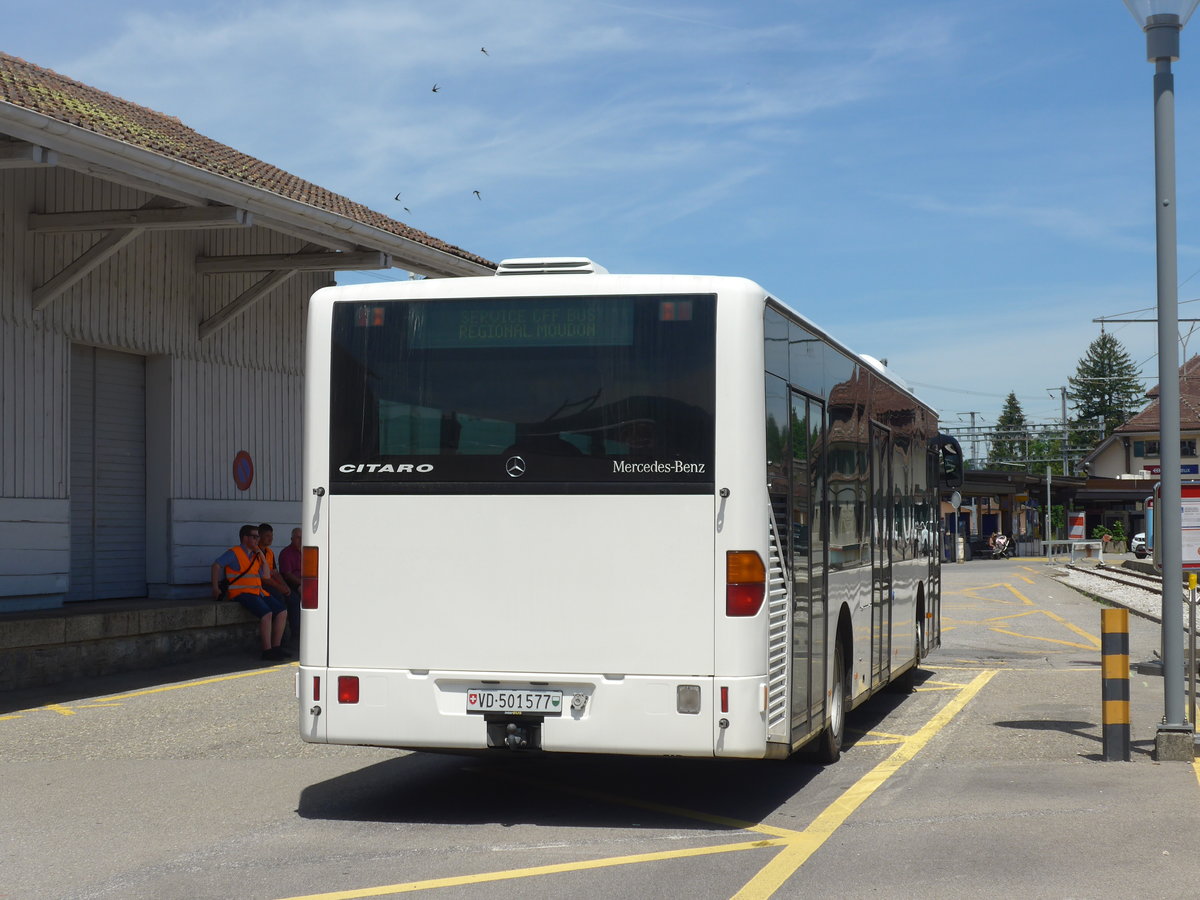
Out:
{"x": 308, "y": 578}
{"x": 745, "y": 583}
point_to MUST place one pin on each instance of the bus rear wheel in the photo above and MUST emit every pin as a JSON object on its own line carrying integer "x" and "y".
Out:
{"x": 829, "y": 744}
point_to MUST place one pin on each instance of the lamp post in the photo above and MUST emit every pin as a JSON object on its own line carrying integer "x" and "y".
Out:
{"x": 1162, "y": 20}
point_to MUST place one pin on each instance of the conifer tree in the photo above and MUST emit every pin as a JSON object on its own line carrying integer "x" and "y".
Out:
{"x": 1105, "y": 392}
{"x": 1011, "y": 435}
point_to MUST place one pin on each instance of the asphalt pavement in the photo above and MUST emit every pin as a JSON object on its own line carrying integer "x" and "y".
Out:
{"x": 986, "y": 782}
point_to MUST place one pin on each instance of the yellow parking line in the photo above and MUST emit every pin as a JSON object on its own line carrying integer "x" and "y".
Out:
{"x": 651, "y": 806}
{"x": 1019, "y": 595}
{"x": 797, "y": 845}
{"x": 106, "y": 702}
{"x": 883, "y": 734}
{"x": 190, "y": 684}
{"x": 557, "y": 868}
{"x": 1034, "y": 637}
{"x": 799, "y": 849}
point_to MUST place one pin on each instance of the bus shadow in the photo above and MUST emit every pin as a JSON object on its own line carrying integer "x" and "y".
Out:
{"x": 575, "y": 789}
{"x": 566, "y": 790}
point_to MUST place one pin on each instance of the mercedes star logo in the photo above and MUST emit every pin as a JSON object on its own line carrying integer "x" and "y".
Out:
{"x": 515, "y": 467}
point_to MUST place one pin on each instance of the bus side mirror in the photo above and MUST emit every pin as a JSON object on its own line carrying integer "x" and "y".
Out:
{"x": 950, "y": 458}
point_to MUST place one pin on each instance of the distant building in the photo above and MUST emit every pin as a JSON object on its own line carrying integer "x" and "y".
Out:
{"x": 1124, "y": 468}
{"x": 1132, "y": 450}
{"x": 153, "y": 293}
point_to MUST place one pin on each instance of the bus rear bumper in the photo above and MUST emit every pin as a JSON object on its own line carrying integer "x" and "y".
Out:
{"x": 632, "y": 714}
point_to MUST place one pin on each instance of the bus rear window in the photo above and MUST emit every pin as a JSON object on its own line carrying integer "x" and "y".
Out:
{"x": 523, "y": 394}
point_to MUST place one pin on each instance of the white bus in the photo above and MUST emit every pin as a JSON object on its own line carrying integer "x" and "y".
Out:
{"x": 565, "y": 510}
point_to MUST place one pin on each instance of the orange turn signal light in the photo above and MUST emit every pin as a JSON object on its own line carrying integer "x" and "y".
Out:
{"x": 745, "y": 583}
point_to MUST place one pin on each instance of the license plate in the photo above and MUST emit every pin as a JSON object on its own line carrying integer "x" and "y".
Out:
{"x": 514, "y": 702}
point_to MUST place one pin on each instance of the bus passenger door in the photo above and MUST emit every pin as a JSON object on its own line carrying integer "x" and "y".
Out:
{"x": 807, "y": 561}
{"x": 881, "y": 554}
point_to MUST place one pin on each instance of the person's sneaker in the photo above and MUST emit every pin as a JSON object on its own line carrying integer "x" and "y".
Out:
{"x": 283, "y": 652}
{"x": 273, "y": 654}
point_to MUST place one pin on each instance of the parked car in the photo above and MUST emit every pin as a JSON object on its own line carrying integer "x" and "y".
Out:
{"x": 1138, "y": 545}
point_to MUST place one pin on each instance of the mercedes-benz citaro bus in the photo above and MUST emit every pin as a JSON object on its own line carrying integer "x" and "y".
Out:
{"x": 562, "y": 510}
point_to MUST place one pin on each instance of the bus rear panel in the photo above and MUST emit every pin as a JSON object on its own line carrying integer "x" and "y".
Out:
{"x": 533, "y": 510}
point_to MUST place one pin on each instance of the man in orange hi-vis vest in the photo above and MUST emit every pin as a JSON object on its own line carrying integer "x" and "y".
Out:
{"x": 245, "y": 569}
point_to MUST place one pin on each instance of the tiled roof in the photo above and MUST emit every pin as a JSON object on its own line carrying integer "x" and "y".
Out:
{"x": 1147, "y": 421}
{"x": 46, "y": 92}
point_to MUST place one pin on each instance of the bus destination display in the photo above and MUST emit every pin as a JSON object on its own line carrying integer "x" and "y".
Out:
{"x": 467, "y": 325}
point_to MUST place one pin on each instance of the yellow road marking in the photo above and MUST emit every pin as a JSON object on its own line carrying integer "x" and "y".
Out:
{"x": 883, "y": 734}
{"x": 189, "y": 684}
{"x": 1028, "y": 612}
{"x": 651, "y": 806}
{"x": 1034, "y": 637}
{"x": 1019, "y": 595}
{"x": 105, "y": 702}
{"x": 773, "y": 875}
{"x": 554, "y": 869}
{"x": 797, "y": 845}
{"x": 933, "y": 690}
{"x": 1196, "y": 767}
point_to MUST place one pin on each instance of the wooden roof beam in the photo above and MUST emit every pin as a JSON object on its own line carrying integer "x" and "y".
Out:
{"x": 45, "y": 294}
{"x": 178, "y": 218}
{"x": 244, "y": 301}
{"x": 310, "y": 262}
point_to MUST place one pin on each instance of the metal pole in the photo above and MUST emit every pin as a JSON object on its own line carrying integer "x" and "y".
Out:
{"x": 1049, "y": 515}
{"x": 1192, "y": 649}
{"x": 1066, "y": 471}
{"x": 1162, "y": 38}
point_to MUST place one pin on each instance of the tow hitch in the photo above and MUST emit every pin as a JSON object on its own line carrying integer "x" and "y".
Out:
{"x": 514, "y": 734}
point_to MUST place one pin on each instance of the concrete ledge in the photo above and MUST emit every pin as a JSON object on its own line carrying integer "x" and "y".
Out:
{"x": 101, "y": 638}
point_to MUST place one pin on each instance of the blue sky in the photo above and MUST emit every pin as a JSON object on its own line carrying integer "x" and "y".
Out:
{"x": 958, "y": 187}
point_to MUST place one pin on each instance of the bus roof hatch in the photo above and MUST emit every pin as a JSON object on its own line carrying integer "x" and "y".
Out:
{"x": 551, "y": 265}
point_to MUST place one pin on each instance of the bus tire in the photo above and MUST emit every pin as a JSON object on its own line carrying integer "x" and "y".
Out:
{"x": 829, "y": 744}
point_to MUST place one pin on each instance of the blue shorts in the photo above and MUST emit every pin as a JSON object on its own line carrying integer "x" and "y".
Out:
{"x": 259, "y": 605}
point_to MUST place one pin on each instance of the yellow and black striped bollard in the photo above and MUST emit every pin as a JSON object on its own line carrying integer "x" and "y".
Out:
{"x": 1114, "y": 669}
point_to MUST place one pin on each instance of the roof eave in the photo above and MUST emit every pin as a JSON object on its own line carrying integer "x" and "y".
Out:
{"x": 157, "y": 169}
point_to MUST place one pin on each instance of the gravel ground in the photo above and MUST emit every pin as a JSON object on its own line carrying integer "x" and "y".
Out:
{"x": 1133, "y": 598}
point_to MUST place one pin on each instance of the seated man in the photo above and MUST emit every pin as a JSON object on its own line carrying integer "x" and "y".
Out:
{"x": 245, "y": 569}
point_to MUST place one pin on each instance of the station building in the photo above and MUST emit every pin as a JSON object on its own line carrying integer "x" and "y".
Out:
{"x": 153, "y": 294}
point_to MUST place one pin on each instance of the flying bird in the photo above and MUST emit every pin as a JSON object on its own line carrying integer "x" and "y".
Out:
{"x": 483, "y": 50}
{"x": 436, "y": 88}
{"x": 397, "y": 197}
{"x": 407, "y": 210}
{"x": 476, "y": 193}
